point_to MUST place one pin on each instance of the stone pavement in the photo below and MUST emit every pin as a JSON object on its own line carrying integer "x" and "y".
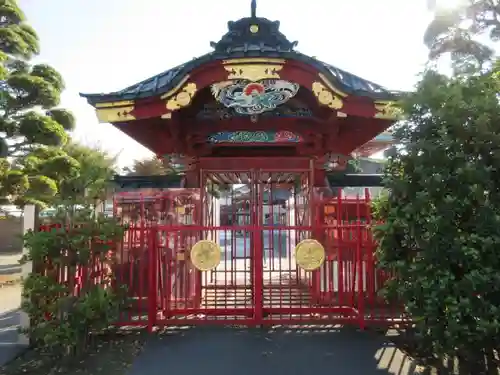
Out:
{"x": 10, "y": 269}
{"x": 10, "y": 300}
{"x": 302, "y": 351}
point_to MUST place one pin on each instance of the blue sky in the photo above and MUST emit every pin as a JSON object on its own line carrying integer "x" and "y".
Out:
{"x": 104, "y": 45}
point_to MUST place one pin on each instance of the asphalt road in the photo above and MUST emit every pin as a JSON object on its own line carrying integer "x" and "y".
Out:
{"x": 319, "y": 350}
{"x": 301, "y": 351}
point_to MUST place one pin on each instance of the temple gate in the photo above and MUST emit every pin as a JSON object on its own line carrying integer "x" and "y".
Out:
{"x": 252, "y": 228}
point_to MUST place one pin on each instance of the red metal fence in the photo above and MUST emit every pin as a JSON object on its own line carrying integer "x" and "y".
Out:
{"x": 257, "y": 281}
{"x": 67, "y": 271}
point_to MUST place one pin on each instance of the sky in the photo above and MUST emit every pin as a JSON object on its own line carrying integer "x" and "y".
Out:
{"x": 106, "y": 45}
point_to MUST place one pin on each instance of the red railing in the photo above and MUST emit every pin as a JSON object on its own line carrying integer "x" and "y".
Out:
{"x": 76, "y": 276}
{"x": 257, "y": 281}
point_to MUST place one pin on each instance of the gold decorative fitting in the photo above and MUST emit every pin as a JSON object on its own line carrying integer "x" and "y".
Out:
{"x": 254, "y": 29}
{"x": 183, "y": 98}
{"x": 177, "y": 87}
{"x": 331, "y": 87}
{"x": 118, "y": 114}
{"x": 388, "y": 111}
{"x": 115, "y": 104}
{"x": 325, "y": 96}
{"x": 253, "y": 60}
{"x": 205, "y": 255}
{"x": 253, "y": 72}
{"x": 309, "y": 254}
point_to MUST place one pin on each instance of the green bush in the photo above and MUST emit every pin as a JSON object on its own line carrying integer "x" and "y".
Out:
{"x": 441, "y": 221}
{"x": 64, "y": 310}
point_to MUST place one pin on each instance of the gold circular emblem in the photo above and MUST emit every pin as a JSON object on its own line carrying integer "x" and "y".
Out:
{"x": 183, "y": 98}
{"x": 205, "y": 255}
{"x": 309, "y": 254}
{"x": 254, "y": 29}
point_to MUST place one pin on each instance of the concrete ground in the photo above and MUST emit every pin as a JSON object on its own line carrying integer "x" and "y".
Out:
{"x": 10, "y": 300}
{"x": 10, "y": 269}
{"x": 315, "y": 350}
{"x": 301, "y": 351}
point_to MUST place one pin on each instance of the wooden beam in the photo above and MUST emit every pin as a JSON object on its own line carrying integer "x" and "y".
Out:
{"x": 263, "y": 124}
{"x": 354, "y": 180}
{"x": 124, "y": 183}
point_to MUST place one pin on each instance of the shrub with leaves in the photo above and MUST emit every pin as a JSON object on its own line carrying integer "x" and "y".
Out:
{"x": 442, "y": 219}
{"x": 71, "y": 293}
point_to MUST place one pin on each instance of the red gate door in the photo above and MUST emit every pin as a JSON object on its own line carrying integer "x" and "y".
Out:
{"x": 257, "y": 218}
{"x": 286, "y": 215}
{"x": 227, "y": 293}
{"x": 284, "y": 219}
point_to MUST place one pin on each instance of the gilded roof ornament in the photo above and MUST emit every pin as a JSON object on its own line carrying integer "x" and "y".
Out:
{"x": 253, "y": 33}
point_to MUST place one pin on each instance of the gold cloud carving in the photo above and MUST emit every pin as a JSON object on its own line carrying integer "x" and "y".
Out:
{"x": 326, "y": 97}
{"x": 331, "y": 86}
{"x": 183, "y": 98}
{"x": 388, "y": 111}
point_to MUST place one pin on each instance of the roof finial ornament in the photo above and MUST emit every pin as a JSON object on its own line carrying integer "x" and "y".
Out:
{"x": 253, "y": 8}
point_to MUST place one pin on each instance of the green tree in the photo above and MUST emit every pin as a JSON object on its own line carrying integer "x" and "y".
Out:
{"x": 456, "y": 30}
{"x": 73, "y": 173}
{"x": 148, "y": 167}
{"x": 28, "y": 97}
{"x": 442, "y": 217}
{"x": 155, "y": 166}
{"x": 96, "y": 169}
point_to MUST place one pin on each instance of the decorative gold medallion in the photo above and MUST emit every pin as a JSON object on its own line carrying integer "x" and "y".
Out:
{"x": 309, "y": 254}
{"x": 205, "y": 255}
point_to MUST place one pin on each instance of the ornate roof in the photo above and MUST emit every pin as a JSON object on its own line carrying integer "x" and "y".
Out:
{"x": 248, "y": 37}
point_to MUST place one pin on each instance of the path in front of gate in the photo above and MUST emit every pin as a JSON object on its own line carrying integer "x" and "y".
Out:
{"x": 10, "y": 300}
{"x": 301, "y": 351}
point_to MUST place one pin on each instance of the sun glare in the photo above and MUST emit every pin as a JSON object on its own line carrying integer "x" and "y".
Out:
{"x": 448, "y": 4}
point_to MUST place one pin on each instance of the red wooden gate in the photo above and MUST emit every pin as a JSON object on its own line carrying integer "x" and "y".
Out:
{"x": 257, "y": 217}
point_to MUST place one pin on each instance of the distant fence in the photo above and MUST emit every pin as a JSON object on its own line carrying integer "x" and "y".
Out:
{"x": 11, "y": 231}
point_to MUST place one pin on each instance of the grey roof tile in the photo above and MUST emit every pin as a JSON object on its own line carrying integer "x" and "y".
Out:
{"x": 240, "y": 42}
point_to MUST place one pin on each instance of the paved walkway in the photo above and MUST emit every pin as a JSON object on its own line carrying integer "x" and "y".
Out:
{"x": 10, "y": 300}
{"x": 10, "y": 269}
{"x": 226, "y": 351}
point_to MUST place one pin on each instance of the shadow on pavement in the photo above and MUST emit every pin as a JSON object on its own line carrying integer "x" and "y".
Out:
{"x": 9, "y": 347}
{"x": 228, "y": 351}
{"x": 9, "y": 263}
{"x": 9, "y": 269}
